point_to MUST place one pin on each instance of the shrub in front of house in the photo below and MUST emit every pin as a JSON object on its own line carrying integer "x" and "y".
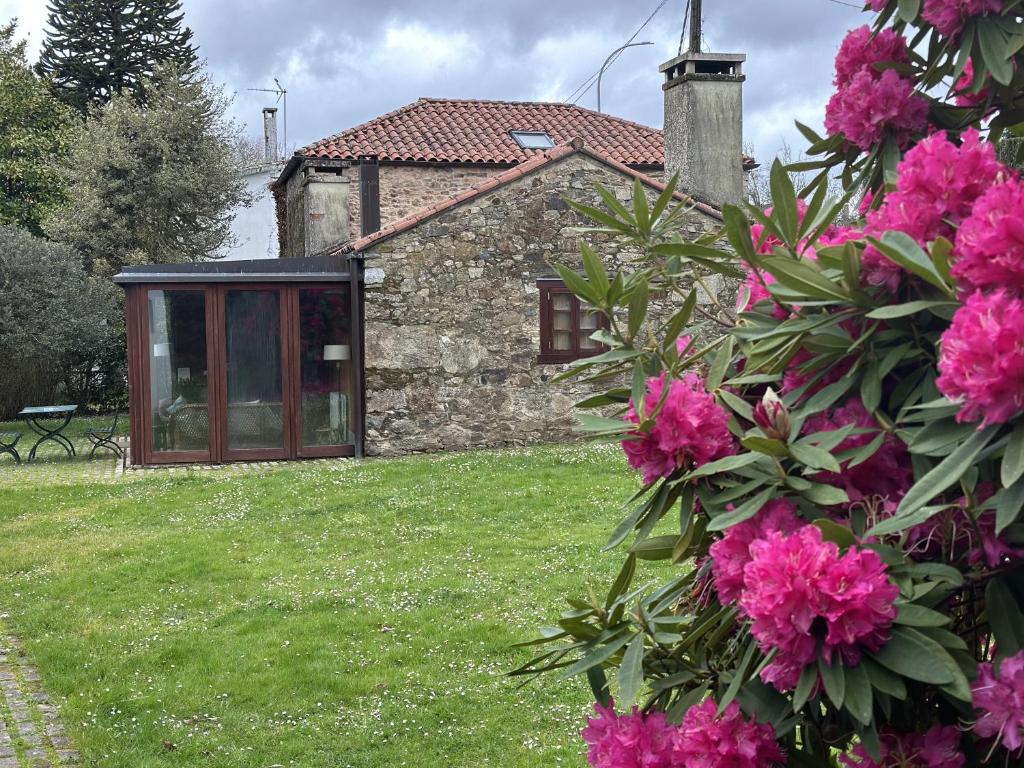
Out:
{"x": 825, "y": 559}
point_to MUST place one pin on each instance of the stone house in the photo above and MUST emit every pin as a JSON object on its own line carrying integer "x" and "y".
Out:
{"x": 415, "y": 306}
{"x": 470, "y": 216}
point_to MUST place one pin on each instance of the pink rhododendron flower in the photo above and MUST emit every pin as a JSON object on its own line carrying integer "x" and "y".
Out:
{"x": 948, "y": 16}
{"x": 982, "y": 359}
{"x": 869, "y": 106}
{"x": 999, "y": 702}
{"x": 938, "y": 747}
{"x": 707, "y": 740}
{"x": 730, "y": 555}
{"x": 690, "y": 429}
{"x": 861, "y": 49}
{"x": 962, "y": 89}
{"x": 755, "y": 290}
{"x": 635, "y": 740}
{"x": 684, "y": 345}
{"x": 887, "y": 473}
{"x": 797, "y": 586}
{"x": 937, "y": 187}
{"x": 990, "y": 244}
{"x": 877, "y": 5}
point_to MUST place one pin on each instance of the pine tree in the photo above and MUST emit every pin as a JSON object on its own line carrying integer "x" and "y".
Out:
{"x": 96, "y": 49}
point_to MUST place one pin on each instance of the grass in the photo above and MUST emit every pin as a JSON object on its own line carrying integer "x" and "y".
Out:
{"x": 327, "y": 614}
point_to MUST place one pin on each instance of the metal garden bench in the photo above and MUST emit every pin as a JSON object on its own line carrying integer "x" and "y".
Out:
{"x": 7, "y": 442}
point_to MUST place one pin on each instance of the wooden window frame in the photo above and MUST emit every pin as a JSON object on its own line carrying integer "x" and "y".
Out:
{"x": 547, "y": 288}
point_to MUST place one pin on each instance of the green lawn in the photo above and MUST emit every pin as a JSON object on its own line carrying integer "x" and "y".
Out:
{"x": 326, "y": 614}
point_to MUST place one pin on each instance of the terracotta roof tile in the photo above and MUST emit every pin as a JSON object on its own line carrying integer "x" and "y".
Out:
{"x": 472, "y": 131}
{"x": 537, "y": 161}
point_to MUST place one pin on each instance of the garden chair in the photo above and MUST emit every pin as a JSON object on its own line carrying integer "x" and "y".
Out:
{"x": 7, "y": 442}
{"x": 103, "y": 437}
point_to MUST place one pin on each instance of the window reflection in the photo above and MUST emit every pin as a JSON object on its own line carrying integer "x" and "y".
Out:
{"x": 326, "y": 367}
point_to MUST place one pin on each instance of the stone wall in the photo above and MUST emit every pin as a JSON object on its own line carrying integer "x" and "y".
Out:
{"x": 453, "y": 332}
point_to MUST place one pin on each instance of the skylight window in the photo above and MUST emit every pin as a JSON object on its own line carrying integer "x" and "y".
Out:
{"x": 533, "y": 139}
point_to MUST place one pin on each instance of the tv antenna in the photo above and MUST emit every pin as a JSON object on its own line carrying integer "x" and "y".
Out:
{"x": 281, "y": 94}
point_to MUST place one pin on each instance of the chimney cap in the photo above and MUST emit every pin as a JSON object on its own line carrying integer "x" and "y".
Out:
{"x": 267, "y": 110}
{"x": 732, "y": 58}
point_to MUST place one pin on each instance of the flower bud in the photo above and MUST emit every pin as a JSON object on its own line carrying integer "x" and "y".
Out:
{"x": 772, "y": 416}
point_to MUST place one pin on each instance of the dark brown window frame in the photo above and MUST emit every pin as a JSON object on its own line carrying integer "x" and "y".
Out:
{"x": 548, "y": 354}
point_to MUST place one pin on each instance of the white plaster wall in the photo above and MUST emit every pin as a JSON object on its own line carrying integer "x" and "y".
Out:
{"x": 255, "y": 228}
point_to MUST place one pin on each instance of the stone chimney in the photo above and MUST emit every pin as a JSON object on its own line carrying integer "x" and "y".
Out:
{"x": 270, "y": 135}
{"x": 704, "y": 124}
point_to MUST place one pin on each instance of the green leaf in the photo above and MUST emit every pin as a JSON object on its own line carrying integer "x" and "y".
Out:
{"x": 993, "y": 51}
{"x": 1009, "y": 502}
{"x": 578, "y": 285}
{"x": 905, "y": 251}
{"x": 836, "y": 533}
{"x": 813, "y": 457}
{"x": 912, "y": 615}
{"x": 884, "y": 680}
{"x": 738, "y": 676}
{"x": 598, "y": 656}
{"x": 911, "y": 654}
{"x": 622, "y": 581}
{"x": 808, "y": 678}
{"x": 743, "y": 512}
{"x": 784, "y": 208}
{"x": 655, "y": 547}
{"x": 722, "y": 359}
{"x": 945, "y": 474}
{"x": 637, "y": 309}
{"x": 833, "y": 678}
{"x": 766, "y": 445}
{"x": 595, "y": 269}
{"x": 737, "y": 229}
{"x": 894, "y": 311}
{"x": 938, "y": 434}
{"x": 1012, "y": 466}
{"x": 631, "y": 673}
{"x": 802, "y": 277}
{"x": 858, "y": 693}
{"x": 909, "y": 9}
{"x": 825, "y": 495}
{"x": 599, "y": 685}
{"x": 727, "y": 464}
{"x": 737, "y": 404}
{"x": 590, "y": 422}
{"x": 1004, "y": 617}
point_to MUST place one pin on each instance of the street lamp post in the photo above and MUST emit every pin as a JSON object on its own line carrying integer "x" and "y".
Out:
{"x": 608, "y": 61}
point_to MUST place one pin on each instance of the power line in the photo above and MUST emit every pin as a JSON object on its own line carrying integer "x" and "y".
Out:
{"x": 591, "y": 81}
{"x": 682, "y": 32}
{"x": 848, "y": 5}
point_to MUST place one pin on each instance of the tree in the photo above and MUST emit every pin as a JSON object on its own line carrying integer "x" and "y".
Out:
{"x": 35, "y": 132}
{"x": 96, "y": 49}
{"x": 835, "y": 485}
{"x": 56, "y": 323}
{"x": 154, "y": 183}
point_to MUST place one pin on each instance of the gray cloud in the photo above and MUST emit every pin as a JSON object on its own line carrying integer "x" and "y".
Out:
{"x": 346, "y": 62}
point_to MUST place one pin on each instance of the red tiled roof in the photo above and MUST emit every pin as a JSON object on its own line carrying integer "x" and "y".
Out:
{"x": 474, "y": 131}
{"x": 534, "y": 163}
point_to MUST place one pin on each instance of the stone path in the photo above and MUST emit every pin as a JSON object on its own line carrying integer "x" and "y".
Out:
{"x": 31, "y": 734}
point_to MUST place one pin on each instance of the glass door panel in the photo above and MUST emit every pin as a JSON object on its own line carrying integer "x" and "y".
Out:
{"x": 178, "y": 372}
{"x": 325, "y": 368}
{"x": 255, "y": 402}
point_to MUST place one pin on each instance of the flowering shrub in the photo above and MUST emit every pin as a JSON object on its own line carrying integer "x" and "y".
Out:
{"x": 835, "y": 484}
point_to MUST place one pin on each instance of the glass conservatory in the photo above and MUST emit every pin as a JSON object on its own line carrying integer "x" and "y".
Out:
{"x": 244, "y": 360}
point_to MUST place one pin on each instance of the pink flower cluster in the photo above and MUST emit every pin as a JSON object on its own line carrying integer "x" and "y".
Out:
{"x": 870, "y": 101}
{"x": 797, "y": 586}
{"x": 937, "y": 187}
{"x": 990, "y": 244}
{"x": 887, "y": 473}
{"x": 962, "y": 89}
{"x": 938, "y": 747}
{"x": 705, "y": 739}
{"x": 731, "y": 554}
{"x": 982, "y": 360}
{"x": 948, "y": 16}
{"x": 690, "y": 429}
{"x": 862, "y": 49}
{"x": 999, "y": 702}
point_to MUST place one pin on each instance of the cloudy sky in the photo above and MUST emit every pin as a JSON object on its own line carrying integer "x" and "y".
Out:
{"x": 346, "y": 61}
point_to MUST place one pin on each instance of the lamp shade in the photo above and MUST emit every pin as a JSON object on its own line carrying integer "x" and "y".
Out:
{"x": 337, "y": 352}
{"x": 163, "y": 349}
